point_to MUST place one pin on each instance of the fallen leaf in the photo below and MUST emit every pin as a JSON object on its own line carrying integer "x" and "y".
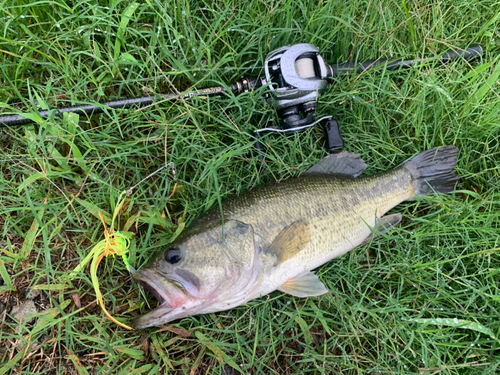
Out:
{"x": 177, "y": 331}
{"x": 76, "y": 300}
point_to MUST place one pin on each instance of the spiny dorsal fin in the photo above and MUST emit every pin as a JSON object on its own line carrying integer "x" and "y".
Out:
{"x": 290, "y": 241}
{"x": 344, "y": 163}
{"x": 305, "y": 285}
{"x": 384, "y": 225}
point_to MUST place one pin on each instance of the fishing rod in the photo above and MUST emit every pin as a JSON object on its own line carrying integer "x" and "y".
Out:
{"x": 295, "y": 76}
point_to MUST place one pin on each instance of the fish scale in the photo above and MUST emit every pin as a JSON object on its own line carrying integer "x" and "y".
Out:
{"x": 339, "y": 217}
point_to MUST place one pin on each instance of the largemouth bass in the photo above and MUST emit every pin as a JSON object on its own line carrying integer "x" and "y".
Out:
{"x": 272, "y": 237}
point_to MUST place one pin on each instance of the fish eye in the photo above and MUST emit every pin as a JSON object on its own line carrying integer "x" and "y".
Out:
{"x": 173, "y": 256}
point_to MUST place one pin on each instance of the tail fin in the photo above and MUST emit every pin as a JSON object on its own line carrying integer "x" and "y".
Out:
{"x": 432, "y": 170}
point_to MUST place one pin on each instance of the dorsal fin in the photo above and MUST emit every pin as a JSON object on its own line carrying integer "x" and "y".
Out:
{"x": 290, "y": 241}
{"x": 344, "y": 163}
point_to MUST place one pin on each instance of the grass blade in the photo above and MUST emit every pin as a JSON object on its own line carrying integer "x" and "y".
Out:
{"x": 125, "y": 19}
{"x": 456, "y": 323}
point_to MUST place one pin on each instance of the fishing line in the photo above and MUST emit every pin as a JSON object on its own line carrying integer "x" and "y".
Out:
{"x": 130, "y": 191}
{"x": 72, "y": 159}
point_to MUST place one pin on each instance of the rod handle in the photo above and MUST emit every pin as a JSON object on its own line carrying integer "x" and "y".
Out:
{"x": 334, "y": 70}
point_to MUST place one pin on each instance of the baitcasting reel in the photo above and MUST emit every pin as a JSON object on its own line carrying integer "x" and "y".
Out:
{"x": 296, "y": 76}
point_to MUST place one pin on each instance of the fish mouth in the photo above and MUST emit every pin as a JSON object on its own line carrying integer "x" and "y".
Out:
{"x": 151, "y": 283}
{"x": 158, "y": 316}
{"x": 151, "y": 289}
{"x": 176, "y": 296}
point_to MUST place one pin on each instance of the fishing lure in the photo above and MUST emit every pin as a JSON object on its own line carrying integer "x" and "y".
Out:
{"x": 114, "y": 243}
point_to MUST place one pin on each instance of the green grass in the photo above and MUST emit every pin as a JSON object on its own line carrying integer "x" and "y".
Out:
{"x": 394, "y": 303}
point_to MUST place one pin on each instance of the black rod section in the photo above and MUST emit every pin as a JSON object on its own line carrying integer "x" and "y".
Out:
{"x": 246, "y": 84}
{"x": 334, "y": 70}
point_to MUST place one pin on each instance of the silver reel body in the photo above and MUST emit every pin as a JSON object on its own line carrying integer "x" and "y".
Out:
{"x": 297, "y": 75}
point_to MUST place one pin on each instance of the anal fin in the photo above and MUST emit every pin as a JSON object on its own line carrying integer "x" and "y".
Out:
{"x": 384, "y": 225}
{"x": 304, "y": 285}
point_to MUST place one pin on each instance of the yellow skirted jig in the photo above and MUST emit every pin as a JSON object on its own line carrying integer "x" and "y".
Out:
{"x": 114, "y": 243}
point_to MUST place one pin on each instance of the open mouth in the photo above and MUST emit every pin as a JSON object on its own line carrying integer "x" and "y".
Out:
{"x": 170, "y": 293}
{"x": 153, "y": 291}
{"x": 149, "y": 282}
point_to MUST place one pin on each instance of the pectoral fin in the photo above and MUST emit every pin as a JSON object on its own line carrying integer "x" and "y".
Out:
{"x": 305, "y": 285}
{"x": 384, "y": 225}
{"x": 290, "y": 241}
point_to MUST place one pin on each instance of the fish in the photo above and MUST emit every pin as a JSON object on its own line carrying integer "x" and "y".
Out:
{"x": 272, "y": 237}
